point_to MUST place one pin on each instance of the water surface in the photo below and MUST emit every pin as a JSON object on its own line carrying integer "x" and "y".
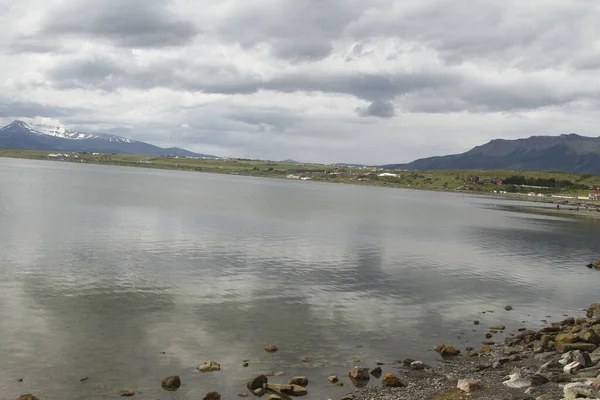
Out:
{"x": 104, "y": 269}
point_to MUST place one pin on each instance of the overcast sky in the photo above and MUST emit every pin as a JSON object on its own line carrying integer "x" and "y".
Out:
{"x": 314, "y": 80}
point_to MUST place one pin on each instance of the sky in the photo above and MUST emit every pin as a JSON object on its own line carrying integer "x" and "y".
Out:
{"x": 378, "y": 81}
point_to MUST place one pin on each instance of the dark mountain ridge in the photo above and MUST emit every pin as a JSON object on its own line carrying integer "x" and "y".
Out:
{"x": 564, "y": 153}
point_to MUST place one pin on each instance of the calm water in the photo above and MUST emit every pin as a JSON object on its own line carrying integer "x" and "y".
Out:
{"x": 105, "y": 268}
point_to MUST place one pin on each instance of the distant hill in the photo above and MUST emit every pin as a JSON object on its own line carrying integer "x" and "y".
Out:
{"x": 22, "y": 135}
{"x": 564, "y": 153}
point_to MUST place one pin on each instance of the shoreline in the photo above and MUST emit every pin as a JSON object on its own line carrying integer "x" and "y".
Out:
{"x": 566, "y": 205}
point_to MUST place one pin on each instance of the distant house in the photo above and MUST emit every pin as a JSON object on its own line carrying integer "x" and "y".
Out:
{"x": 472, "y": 178}
{"x": 497, "y": 181}
{"x": 595, "y": 196}
{"x": 388, "y": 174}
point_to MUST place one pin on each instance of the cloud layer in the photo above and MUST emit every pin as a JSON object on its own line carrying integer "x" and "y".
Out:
{"x": 319, "y": 80}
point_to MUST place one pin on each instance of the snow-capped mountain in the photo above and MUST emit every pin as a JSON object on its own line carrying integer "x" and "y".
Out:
{"x": 35, "y": 136}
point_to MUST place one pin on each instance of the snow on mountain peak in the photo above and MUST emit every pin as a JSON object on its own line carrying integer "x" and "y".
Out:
{"x": 44, "y": 127}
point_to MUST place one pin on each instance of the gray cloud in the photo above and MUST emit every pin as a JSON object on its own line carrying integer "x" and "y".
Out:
{"x": 294, "y": 30}
{"x": 127, "y": 23}
{"x": 20, "y": 109}
{"x": 383, "y": 109}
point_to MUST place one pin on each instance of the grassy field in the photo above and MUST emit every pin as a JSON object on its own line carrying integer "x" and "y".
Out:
{"x": 431, "y": 180}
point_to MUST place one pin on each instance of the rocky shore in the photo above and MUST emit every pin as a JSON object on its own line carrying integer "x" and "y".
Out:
{"x": 559, "y": 361}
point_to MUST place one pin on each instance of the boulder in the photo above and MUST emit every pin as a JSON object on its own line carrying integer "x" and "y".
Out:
{"x": 126, "y": 393}
{"x": 593, "y": 311}
{"x": 522, "y": 380}
{"x": 476, "y": 322}
{"x": 292, "y": 390}
{"x": 488, "y": 335}
{"x": 376, "y": 372}
{"x": 391, "y": 380}
{"x": 27, "y": 397}
{"x": 595, "y": 356}
{"x": 438, "y": 348}
{"x": 359, "y": 374}
{"x": 578, "y": 390}
{"x": 271, "y": 348}
{"x": 171, "y": 383}
{"x": 212, "y": 396}
{"x": 274, "y": 397}
{"x": 468, "y": 385}
{"x": 565, "y": 347}
{"x": 449, "y": 351}
{"x": 259, "y": 392}
{"x": 508, "y": 308}
{"x": 565, "y": 338}
{"x": 209, "y": 366}
{"x": 584, "y": 359}
{"x": 514, "y": 357}
{"x": 258, "y": 382}
{"x": 333, "y": 379}
{"x": 485, "y": 349}
{"x": 417, "y": 365}
{"x": 572, "y": 368}
{"x": 576, "y": 329}
{"x": 348, "y": 396}
{"x": 590, "y": 336}
{"x": 299, "y": 380}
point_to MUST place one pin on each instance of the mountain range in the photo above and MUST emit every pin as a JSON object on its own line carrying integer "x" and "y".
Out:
{"x": 31, "y": 136}
{"x": 564, "y": 153}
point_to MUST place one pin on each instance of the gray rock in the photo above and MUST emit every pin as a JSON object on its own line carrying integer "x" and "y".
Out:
{"x": 333, "y": 379}
{"x": 577, "y": 390}
{"x": 583, "y": 346}
{"x": 212, "y": 396}
{"x": 171, "y": 383}
{"x": 468, "y": 385}
{"x": 393, "y": 381}
{"x": 583, "y": 359}
{"x": 271, "y": 348}
{"x": 522, "y": 380}
{"x": 359, "y": 374}
{"x": 299, "y": 380}
{"x": 417, "y": 365}
{"x": 258, "y": 382}
{"x": 499, "y": 362}
{"x": 572, "y": 368}
{"x": 593, "y": 311}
